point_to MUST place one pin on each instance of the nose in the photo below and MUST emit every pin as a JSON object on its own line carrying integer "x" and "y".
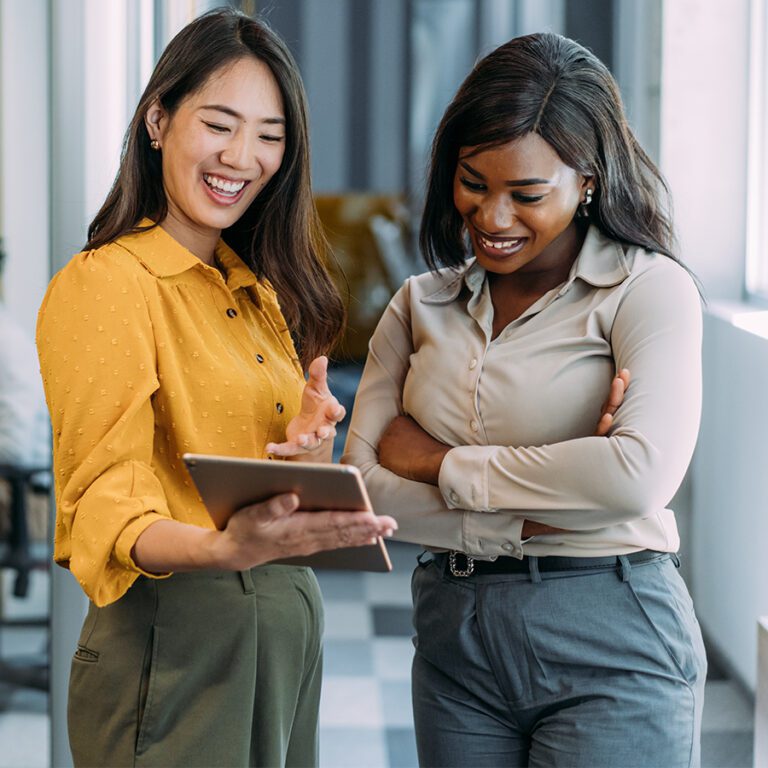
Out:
{"x": 240, "y": 152}
{"x": 495, "y": 214}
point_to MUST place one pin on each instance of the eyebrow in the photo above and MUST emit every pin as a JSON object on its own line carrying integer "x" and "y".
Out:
{"x": 234, "y": 113}
{"x": 513, "y": 183}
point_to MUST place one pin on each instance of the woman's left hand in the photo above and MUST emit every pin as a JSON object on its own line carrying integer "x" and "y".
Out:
{"x": 407, "y": 450}
{"x": 315, "y": 425}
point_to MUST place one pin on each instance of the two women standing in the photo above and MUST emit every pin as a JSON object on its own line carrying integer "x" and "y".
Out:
{"x": 552, "y": 627}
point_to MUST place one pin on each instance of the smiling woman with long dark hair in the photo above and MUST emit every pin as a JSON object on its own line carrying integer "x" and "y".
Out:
{"x": 552, "y": 627}
{"x": 186, "y": 325}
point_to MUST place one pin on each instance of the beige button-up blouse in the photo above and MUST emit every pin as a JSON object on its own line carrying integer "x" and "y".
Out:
{"x": 521, "y": 409}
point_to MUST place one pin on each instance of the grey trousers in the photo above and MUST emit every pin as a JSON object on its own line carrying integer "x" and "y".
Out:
{"x": 201, "y": 669}
{"x": 601, "y": 669}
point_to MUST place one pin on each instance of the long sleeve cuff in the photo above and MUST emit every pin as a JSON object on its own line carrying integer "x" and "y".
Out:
{"x": 463, "y": 478}
{"x": 493, "y": 535}
{"x": 127, "y": 540}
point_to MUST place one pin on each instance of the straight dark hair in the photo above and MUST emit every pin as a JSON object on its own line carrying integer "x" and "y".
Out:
{"x": 554, "y": 87}
{"x": 280, "y": 234}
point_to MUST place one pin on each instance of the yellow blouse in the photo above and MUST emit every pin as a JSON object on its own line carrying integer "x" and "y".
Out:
{"x": 147, "y": 353}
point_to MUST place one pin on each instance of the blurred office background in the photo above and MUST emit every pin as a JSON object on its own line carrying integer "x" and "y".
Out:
{"x": 378, "y": 75}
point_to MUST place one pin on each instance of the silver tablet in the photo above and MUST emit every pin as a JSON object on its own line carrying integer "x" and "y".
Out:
{"x": 226, "y": 484}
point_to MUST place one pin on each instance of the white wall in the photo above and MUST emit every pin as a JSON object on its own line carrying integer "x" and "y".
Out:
{"x": 705, "y": 56}
{"x": 704, "y": 129}
{"x": 24, "y": 176}
{"x": 729, "y": 528}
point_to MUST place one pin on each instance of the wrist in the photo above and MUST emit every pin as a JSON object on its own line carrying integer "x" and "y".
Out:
{"x": 215, "y": 552}
{"x": 426, "y": 467}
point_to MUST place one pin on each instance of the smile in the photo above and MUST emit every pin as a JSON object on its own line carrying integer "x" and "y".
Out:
{"x": 500, "y": 249}
{"x": 224, "y": 187}
{"x": 501, "y": 245}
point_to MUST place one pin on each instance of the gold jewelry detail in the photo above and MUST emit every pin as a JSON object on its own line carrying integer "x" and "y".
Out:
{"x": 155, "y": 144}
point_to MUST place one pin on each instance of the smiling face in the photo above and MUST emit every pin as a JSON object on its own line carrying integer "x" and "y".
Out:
{"x": 518, "y": 202}
{"x": 220, "y": 147}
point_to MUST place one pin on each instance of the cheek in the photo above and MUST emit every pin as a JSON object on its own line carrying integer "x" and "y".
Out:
{"x": 276, "y": 161}
{"x": 460, "y": 200}
{"x": 180, "y": 166}
{"x": 555, "y": 217}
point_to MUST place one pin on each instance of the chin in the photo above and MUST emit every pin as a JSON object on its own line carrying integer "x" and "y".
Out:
{"x": 220, "y": 219}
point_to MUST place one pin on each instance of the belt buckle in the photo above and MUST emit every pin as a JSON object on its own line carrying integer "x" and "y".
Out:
{"x": 468, "y": 571}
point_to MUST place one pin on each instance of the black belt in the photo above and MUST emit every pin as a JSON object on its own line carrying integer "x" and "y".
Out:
{"x": 459, "y": 564}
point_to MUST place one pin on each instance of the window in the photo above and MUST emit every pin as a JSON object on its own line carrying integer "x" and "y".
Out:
{"x": 757, "y": 158}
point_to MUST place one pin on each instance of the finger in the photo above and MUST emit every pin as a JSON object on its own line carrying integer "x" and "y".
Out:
{"x": 289, "y": 448}
{"x": 615, "y": 395}
{"x": 332, "y": 409}
{"x": 326, "y": 431}
{"x": 604, "y": 425}
{"x": 625, "y": 376}
{"x": 357, "y": 535}
{"x": 303, "y": 443}
{"x": 275, "y": 508}
{"x": 318, "y": 374}
{"x": 327, "y": 520}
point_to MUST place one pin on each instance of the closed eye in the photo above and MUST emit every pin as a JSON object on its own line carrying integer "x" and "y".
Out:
{"x": 273, "y": 138}
{"x": 521, "y": 198}
{"x": 471, "y": 185}
{"x": 216, "y": 127}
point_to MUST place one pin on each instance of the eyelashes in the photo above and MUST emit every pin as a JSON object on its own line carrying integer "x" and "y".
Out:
{"x": 223, "y": 129}
{"x": 520, "y": 197}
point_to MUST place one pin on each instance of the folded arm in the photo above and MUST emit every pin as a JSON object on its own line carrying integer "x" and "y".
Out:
{"x": 581, "y": 484}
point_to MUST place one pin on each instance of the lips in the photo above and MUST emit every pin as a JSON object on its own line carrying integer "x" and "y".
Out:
{"x": 223, "y": 190}
{"x": 499, "y": 246}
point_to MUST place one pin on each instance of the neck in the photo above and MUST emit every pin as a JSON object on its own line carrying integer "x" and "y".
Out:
{"x": 201, "y": 241}
{"x": 549, "y": 269}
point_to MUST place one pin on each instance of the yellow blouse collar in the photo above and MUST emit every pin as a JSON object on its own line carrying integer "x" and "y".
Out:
{"x": 164, "y": 257}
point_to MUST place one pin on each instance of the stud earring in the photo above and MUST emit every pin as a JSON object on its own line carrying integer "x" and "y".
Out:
{"x": 588, "y": 196}
{"x": 155, "y": 144}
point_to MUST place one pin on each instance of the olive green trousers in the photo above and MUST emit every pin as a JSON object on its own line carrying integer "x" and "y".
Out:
{"x": 201, "y": 669}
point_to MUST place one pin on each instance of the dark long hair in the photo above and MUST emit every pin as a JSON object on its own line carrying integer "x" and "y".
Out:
{"x": 280, "y": 235}
{"x": 552, "y": 86}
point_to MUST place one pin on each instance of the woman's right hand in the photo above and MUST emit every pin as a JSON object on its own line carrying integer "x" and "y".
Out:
{"x": 277, "y": 529}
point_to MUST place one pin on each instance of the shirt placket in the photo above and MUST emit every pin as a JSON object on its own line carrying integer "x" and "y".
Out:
{"x": 256, "y": 359}
{"x": 480, "y": 309}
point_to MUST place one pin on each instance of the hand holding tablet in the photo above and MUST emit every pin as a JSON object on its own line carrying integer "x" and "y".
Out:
{"x": 227, "y": 485}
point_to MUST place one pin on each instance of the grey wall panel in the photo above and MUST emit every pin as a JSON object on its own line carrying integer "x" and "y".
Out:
{"x": 325, "y": 68}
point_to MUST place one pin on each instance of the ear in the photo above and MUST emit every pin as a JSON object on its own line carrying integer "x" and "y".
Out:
{"x": 587, "y": 182}
{"x": 156, "y": 121}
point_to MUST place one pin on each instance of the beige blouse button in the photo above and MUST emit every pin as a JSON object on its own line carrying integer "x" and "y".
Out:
{"x": 454, "y": 497}
{"x": 231, "y": 312}
{"x": 473, "y": 364}
{"x": 473, "y": 425}
{"x": 507, "y": 547}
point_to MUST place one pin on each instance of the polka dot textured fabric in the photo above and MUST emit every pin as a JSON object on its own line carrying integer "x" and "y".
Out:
{"x": 148, "y": 353}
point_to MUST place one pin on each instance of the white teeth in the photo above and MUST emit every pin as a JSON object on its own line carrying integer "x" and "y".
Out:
{"x": 222, "y": 185}
{"x": 499, "y": 245}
